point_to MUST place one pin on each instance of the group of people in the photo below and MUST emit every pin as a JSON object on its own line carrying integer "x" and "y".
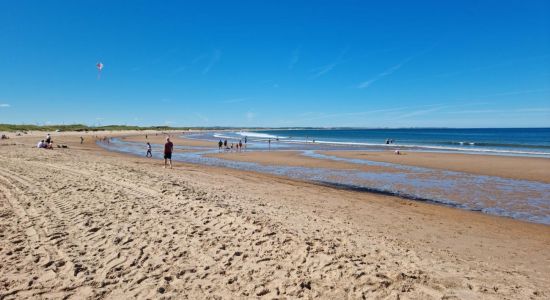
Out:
{"x": 168, "y": 149}
{"x": 46, "y": 143}
{"x": 237, "y": 147}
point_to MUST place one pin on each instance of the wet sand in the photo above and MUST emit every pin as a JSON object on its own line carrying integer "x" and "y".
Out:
{"x": 293, "y": 158}
{"x": 528, "y": 168}
{"x": 106, "y": 225}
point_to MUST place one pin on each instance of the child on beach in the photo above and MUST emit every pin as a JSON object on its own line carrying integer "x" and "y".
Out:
{"x": 149, "y": 150}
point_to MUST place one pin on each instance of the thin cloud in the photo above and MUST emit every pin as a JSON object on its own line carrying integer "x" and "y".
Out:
{"x": 199, "y": 58}
{"x": 4, "y": 105}
{"x": 503, "y": 111}
{"x": 179, "y": 70}
{"x": 312, "y": 116}
{"x": 393, "y": 69}
{"x": 322, "y": 70}
{"x": 505, "y": 63}
{"x": 419, "y": 112}
{"x": 295, "y": 58}
{"x": 214, "y": 58}
{"x": 387, "y": 72}
{"x": 512, "y": 93}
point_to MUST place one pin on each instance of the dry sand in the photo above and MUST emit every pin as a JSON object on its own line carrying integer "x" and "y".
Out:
{"x": 175, "y": 137}
{"x": 85, "y": 223}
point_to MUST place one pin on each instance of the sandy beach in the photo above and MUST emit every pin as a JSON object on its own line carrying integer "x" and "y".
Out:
{"x": 83, "y": 222}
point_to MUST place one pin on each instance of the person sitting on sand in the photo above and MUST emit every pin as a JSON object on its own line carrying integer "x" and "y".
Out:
{"x": 397, "y": 152}
{"x": 149, "y": 150}
{"x": 48, "y": 138}
{"x": 168, "y": 148}
{"x": 41, "y": 144}
{"x": 50, "y": 145}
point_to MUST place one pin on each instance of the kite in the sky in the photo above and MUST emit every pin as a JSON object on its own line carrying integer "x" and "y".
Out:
{"x": 99, "y": 67}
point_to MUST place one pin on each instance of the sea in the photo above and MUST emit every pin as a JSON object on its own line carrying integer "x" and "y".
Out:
{"x": 504, "y": 141}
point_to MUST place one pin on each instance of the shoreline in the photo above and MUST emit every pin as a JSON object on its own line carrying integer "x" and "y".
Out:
{"x": 393, "y": 178}
{"x": 488, "y": 254}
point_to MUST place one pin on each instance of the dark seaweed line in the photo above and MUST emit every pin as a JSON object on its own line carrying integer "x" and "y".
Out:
{"x": 406, "y": 196}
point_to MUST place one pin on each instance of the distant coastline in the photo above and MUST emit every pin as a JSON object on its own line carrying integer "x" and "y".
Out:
{"x": 114, "y": 127}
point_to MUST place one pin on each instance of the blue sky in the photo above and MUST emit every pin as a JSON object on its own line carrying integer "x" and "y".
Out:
{"x": 276, "y": 63}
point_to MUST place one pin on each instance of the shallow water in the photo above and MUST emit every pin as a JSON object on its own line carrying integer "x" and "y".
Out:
{"x": 520, "y": 199}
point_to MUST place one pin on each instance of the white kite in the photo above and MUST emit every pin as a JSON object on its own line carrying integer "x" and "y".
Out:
{"x": 99, "y": 67}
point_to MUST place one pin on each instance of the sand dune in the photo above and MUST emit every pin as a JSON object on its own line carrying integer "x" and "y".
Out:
{"x": 84, "y": 223}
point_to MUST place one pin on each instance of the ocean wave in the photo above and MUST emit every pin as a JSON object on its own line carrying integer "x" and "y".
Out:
{"x": 461, "y": 146}
{"x": 258, "y": 135}
{"x": 488, "y": 144}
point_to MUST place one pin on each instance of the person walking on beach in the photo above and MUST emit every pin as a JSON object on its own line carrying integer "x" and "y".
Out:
{"x": 269, "y": 142}
{"x": 240, "y": 145}
{"x": 168, "y": 148}
{"x": 149, "y": 150}
{"x": 220, "y": 144}
{"x": 81, "y": 140}
{"x": 48, "y": 138}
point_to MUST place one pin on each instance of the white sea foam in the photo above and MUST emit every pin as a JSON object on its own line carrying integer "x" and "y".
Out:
{"x": 258, "y": 135}
{"x": 469, "y": 149}
{"x": 221, "y": 136}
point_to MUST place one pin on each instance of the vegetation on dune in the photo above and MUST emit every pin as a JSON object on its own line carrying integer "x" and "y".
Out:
{"x": 81, "y": 127}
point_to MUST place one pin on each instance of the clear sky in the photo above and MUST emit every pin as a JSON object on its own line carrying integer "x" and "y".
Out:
{"x": 276, "y": 63}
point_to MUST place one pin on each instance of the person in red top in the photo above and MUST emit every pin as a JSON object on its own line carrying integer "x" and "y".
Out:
{"x": 168, "y": 148}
